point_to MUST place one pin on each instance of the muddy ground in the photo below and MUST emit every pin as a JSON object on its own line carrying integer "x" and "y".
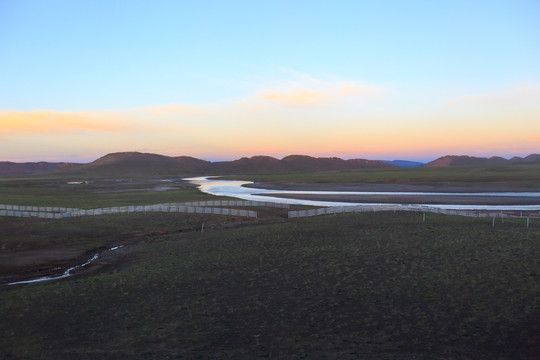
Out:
{"x": 49, "y": 254}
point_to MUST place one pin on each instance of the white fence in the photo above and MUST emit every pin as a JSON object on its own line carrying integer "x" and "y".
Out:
{"x": 239, "y": 203}
{"x": 420, "y": 208}
{"x": 201, "y": 207}
{"x": 212, "y": 207}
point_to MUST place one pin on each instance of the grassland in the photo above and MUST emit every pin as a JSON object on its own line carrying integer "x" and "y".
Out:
{"x": 95, "y": 194}
{"x": 351, "y": 286}
{"x": 31, "y": 248}
{"x": 367, "y": 286}
{"x": 526, "y": 176}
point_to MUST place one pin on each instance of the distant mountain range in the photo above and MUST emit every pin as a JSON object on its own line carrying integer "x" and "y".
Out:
{"x": 8, "y": 168}
{"x": 405, "y": 163}
{"x": 463, "y": 160}
{"x": 129, "y": 164}
{"x": 143, "y": 164}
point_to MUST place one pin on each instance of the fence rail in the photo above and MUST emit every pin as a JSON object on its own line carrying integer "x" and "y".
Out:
{"x": 215, "y": 207}
{"x": 421, "y": 208}
{"x": 238, "y": 203}
{"x": 200, "y": 207}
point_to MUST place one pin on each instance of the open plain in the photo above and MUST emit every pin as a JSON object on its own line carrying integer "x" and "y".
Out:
{"x": 349, "y": 286}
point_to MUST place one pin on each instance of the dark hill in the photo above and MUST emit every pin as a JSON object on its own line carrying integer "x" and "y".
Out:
{"x": 143, "y": 164}
{"x": 194, "y": 164}
{"x": 11, "y": 169}
{"x": 136, "y": 164}
{"x": 307, "y": 163}
{"x": 464, "y": 160}
{"x": 131, "y": 158}
{"x": 528, "y": 158}
{"x": 292, "y": 163}
{"x": 255, "y": 164}
{"x": 368, "y": 164}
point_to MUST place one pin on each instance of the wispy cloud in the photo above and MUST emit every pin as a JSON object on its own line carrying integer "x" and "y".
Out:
{"x": 59, "y": 121}
{"x": 519, "y": 95}
{"x": 317, "y": 92}
{"x": 298, "y": 91}
{"x": 294, "y": 97}
{"x": 174, "y": 109}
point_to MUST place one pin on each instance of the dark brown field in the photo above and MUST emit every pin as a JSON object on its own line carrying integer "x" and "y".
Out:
{"x": 381, "y": 285}
{"x": 351, "y": 286}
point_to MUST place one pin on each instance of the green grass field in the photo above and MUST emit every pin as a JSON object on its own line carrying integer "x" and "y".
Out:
{"x": 525, "y": 176}
{"x": 366, "y": 286}
{"x": 56, "y": 192}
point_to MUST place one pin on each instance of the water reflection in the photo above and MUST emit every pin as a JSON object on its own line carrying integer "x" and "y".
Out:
{"x": 235, "y": 188}
{"x": 65, "y": 274}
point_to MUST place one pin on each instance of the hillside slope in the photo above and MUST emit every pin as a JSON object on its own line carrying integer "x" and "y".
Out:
{"x": 12, "y": 169}
{"x": 143, "y": 164}
{"x": 133, "y": 164}
{"x": 464, "y": 160}
{"x": 137, "y": 164}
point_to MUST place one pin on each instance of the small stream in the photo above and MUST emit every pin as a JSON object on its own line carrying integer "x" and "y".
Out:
{"x": 67, "y": 273}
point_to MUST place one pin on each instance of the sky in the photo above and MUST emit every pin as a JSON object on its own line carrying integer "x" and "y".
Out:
{"x": 220, "y": 80}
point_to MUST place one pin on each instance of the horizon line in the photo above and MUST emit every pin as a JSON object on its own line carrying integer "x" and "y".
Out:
{"x": 212, "y": 159}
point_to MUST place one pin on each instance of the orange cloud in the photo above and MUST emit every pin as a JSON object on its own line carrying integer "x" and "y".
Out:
{"x": 58, "y": 121}
{"x": 174, "y": 109}
{"x": 294, "y": 97}
{"x": 315, "y": 92}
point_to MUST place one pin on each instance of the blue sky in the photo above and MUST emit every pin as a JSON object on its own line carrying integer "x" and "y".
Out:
{"x": 117, "y": 56}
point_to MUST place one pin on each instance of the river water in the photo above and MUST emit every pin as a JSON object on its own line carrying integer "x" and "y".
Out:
{"x": 235, "y": 188}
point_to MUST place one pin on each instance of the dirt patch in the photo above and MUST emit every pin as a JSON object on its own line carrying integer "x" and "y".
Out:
{"x": 48, "y": 263}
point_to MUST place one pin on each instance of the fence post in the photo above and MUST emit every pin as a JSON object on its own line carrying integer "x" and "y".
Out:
{"x": 424, "y": 217}
{"x": 202, "y": 228}
{"x": 493, "y": 224}
{"x": 527, "y": 222}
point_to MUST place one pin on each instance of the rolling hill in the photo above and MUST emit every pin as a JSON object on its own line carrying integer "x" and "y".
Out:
{"x": 12, "y": 169}
{"x": 136, "y": 164}
{"x": 464, "y": 160}
{"x": 130, "y": 164}
{"x": 293, "y": 163}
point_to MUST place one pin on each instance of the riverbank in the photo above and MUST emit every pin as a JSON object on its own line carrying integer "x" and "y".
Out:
{"x": 370, "y": 187}
{"x": 414, "y": 199}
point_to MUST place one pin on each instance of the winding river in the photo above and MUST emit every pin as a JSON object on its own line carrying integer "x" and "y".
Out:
{"x": 235, "y": 188}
